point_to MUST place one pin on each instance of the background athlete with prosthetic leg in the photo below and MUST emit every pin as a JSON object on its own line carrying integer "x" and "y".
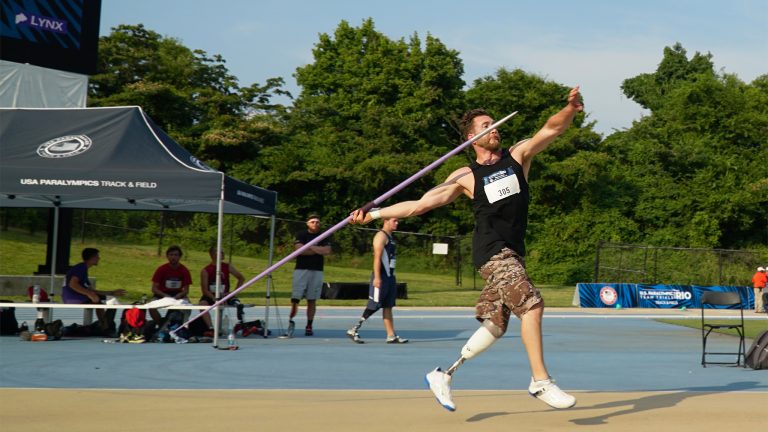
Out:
{"x": 383, "y": 289}
{"x": 497, "y": 184}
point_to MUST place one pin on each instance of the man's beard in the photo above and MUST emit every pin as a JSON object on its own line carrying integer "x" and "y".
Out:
{"x": 491, "y": 144}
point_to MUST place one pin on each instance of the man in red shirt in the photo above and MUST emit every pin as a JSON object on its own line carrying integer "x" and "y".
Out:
{"x": 759, "y": 281}
{"x": 208, "y": 284}
{"x": 171, "y": 279}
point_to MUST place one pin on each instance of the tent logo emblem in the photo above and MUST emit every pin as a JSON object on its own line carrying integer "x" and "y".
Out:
{"x": 199, "y": 163}
{"x": 65, "y": 146}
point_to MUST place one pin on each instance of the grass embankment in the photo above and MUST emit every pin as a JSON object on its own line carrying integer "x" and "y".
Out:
{"x": 130, "y": 266}
{"x": 751, "y": 327}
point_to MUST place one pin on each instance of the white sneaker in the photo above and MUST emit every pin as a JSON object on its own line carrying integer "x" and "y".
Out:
{"x": 548, "y": 392}
{"x": 440, "y": 384}
{"x": 396, "y": 340}
{"x": 354, "y": 336}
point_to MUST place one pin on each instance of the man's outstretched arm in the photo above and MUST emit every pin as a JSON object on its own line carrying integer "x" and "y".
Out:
{"x": 555, "y": 126}
{"x": 442, "y": 195}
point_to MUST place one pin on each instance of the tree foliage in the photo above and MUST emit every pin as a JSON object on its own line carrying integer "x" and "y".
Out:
{"x": 188, "y": 93}
{"x": 373, "y": 110}
{"x": 698, "y": 161}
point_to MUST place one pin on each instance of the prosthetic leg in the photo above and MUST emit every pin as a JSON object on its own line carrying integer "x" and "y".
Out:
{"x": 481, "y": 340}
{"x": 440, "y": 382}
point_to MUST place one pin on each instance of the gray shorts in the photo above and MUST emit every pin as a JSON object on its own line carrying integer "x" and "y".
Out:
{"x": 307, "y": 284}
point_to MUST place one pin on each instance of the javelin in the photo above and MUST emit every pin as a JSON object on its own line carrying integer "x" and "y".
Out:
{"x": 345, "y": 221}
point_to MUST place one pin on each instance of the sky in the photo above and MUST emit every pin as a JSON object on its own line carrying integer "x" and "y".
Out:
{"x": 592, "y": 43}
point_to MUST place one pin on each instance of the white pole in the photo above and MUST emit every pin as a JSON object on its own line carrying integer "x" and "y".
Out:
{"x": 219, "y": 229}
{"x": 45, "y": 314}
{"x": 269, "y": 278}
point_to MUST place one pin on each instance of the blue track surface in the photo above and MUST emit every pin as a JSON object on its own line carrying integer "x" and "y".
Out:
{"x": 583, "y": 352}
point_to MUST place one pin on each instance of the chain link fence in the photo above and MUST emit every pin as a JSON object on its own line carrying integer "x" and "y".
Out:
{"x": 632, "y": 263}
{"x": 249, "y": 236}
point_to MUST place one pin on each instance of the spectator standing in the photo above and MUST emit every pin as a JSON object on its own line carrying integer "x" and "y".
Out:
{"x": 308, "y": 273}
{"x": 759, "y": 281}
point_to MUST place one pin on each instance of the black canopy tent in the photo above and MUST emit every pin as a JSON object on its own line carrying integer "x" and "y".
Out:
{"x": 112, "y": 158}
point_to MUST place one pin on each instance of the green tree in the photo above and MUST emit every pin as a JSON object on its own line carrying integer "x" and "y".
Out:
{"x": 193, "y": 96}
{"x": 650, "y": 89}
{"x": 177, "y": 86}
{"x": 188, "y": 93}
{"x": 372, "y": 111}
{"x": 697, "y": 161}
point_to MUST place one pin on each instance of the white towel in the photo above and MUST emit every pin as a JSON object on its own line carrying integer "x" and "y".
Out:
{"x": 165, "y": 302}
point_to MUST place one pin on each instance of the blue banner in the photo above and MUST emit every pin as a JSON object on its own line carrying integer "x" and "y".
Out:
{"x": 746, "y": 293}
{"x": 607, "y": 295}
{"x": 619, "y": 295}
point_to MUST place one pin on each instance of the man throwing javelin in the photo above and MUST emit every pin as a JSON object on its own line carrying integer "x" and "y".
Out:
{"x": 497, "y": 184}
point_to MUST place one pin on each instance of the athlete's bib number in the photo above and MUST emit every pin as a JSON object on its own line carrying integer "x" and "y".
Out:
{"x": 500, "y": 185}
{"x": 173, "y": 284}
{"x": 212, "y": 288}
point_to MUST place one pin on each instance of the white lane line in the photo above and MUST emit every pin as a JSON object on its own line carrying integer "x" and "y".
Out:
{"x": 696, "y": 317}
{"x": 316, "y": 390}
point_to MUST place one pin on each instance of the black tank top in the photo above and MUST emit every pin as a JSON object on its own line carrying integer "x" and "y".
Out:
{"x": 501, "y": 208}
{"x": 388, "y": 256}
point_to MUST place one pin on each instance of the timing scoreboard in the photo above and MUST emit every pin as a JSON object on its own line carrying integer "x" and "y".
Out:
{"x": 56, "y": 34}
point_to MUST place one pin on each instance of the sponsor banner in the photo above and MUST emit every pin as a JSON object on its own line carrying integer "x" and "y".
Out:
{"x": 42, "y": 23}
{"x": 616, "y": 295}
{"x": 665, "y": 296}
{"x": 607, "y": 295}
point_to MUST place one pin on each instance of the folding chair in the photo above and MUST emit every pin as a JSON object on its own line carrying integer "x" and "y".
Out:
{"x": 721, "y": 299}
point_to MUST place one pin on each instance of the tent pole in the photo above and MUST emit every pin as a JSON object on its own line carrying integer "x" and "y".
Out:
{"x": 269, "y": 278}
{"x": 219, "y": 228}
{"x": 55, "y": 245}
{"x": 231, "y": 239}
{"x": 45, "y": 314}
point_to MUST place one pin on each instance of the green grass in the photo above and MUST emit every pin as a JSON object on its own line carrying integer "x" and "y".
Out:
{"x": 751, "y": 327}
{"x": 130, "y": 266}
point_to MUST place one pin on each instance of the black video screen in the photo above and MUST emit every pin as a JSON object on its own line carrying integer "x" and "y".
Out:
{"x": 57, "y": 34}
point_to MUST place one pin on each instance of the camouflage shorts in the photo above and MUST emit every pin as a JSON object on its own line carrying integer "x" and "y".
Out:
{"x": 507, "y": 289}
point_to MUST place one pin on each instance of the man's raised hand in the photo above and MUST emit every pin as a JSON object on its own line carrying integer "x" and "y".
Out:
{"x": 574, "y": 99}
